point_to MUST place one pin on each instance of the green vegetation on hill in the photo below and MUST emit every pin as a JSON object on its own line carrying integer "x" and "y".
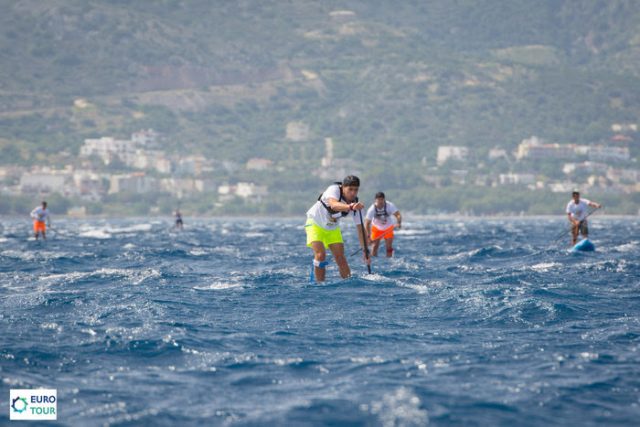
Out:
{"x": 389, "y": 82}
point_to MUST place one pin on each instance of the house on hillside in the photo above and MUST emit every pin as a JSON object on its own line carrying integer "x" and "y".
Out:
{"x": 450, "y": 152}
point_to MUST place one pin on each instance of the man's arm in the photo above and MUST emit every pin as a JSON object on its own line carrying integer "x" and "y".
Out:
{"x": 595, "y": 205}
{"x": 342, "y": 207}
{"x": 367, "y": 226}
{"x": 398, "y": 218}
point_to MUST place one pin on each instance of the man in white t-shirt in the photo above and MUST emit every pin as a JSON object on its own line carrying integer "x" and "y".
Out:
{"x": 40, "y": 215}
{"x": 338, "y": 201}
{"x": 380, "y": 223}
{"x": 577, "y": 213}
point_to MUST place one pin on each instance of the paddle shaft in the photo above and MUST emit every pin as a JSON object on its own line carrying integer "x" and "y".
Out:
{"x": 365, "y": 247}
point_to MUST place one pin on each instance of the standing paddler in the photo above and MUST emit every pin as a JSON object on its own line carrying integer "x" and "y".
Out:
{"x": 380, "y": 223}
{"x": 577, "y": 214}
{"x": 41, "y": 219}
{"x": 338, "y": 201}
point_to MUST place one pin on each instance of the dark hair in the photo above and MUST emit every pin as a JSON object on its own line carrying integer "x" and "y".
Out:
{"x": 351, "y": 181}
{"x": 575, "y": 192}
{"x": 380, "y": 195}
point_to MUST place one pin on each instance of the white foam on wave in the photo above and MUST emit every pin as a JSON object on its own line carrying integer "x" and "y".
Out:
{"x": 136, "y": 276}
{"x": 64, "y": 278}
{"x": 129, "y": 229}
{"x": 197, "y": 252}
{"x": 37, "y": 254}
{"x": 364, "y": 360}
{"x": 12, "y": 253}
{"x": 287, "y": 361}
{"x": 218, "y": 286}
{"x": 421, "y": 288}
{"x": 53, "y": 326}
{"x": 413, "y": 232}
{"x": 254, "y": 234}
{"x": 95, "y": 234}
{"x": 627, "y": 247}
{"x": 374, "y": 277}
{"x": 399, "y": 408}
{"x": 545, "y": 266}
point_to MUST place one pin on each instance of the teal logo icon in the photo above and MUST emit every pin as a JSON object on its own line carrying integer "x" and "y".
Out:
{"x": 19, "y": 405}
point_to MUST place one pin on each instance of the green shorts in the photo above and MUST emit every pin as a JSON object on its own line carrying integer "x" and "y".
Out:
{"x": 316, "y": 233}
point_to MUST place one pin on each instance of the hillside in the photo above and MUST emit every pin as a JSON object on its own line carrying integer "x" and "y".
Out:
{"x": 388, "y": 82}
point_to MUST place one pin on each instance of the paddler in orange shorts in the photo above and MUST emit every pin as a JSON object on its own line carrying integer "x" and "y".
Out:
{"x": 380, "y": 223}
{"x": 40, "y": 215}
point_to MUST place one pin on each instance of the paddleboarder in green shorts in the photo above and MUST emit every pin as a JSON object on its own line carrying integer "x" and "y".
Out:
{"x": 338, "y": 201}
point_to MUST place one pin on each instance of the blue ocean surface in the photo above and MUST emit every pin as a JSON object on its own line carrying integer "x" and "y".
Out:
{"x": 490, "y": 322}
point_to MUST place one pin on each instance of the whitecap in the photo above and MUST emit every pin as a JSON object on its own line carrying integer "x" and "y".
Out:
{"x": 374, "y": 277}
{"x": 96, "y": 234}
{"x": 218, "y": 286}
{"x": 545, "y": 266}
{"x": 64, "y": 278}
{"x": 51, "y": 326}
{"x": 421, "y": 289}
{"x": 288, "y": 361}
{"x": 400, "y": 408}
{"x": 627, "y": 247}
{"x": 364, "y": 360}
{"x": 130, "y": 229}
{"x": 253, "y": 234}
{"x": 197, "y": 252}
{"x": 414, "y": 232}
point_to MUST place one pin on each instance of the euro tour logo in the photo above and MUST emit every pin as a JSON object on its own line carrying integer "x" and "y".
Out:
{"x": 38, "y": 404}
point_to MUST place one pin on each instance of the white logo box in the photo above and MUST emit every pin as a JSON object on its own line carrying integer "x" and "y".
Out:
{"x": 33, "y": 404}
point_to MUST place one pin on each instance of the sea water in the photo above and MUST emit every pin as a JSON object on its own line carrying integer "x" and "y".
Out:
{"x": 473, "y": 322}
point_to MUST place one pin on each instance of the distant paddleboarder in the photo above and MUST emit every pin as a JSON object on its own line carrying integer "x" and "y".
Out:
{"x": 179, "y": 223}
{"x": 338, "y": 201}
{"x": 41, "y": 220}
{"x": 577, "y": 212}
{"x": 380, "y": 223}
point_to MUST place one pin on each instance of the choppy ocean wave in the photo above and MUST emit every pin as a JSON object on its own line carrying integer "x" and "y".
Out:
{"x": 480, "y": 322}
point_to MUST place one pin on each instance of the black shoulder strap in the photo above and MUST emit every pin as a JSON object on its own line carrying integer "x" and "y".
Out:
{"x": 328, "y": 208}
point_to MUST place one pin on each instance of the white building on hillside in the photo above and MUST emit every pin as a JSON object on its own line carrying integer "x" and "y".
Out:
{"x": 131, "y": 183}
{"x": 451, "y": 152}
{"x": 516, "y": 179}
{"x": 47, "y": 180}
{"x": 298, "y": 131}
{"x": 604, "y": 154}
{"x": 108, "y": 149}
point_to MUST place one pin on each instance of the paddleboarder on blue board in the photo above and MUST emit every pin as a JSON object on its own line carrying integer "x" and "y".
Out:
{"x": 380, "y": 223}
{"x": 577, "y": 212}
{"x": 338, "y": 201}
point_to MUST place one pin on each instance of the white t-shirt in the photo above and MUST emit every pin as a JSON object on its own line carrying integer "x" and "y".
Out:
{"x": 578, "y": 211}
{"x": 40, "y": 214}
{"x": 378, "y": 217}
{"x": 321, "y": 216}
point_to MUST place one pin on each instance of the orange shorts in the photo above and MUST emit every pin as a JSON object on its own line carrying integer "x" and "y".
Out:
{"x": 376, "y": 233}
{"x": 39, "y": 226}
